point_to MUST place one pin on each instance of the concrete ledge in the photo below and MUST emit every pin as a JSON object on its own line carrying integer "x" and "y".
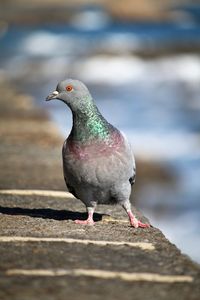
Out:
{"x": 44, "y": 254}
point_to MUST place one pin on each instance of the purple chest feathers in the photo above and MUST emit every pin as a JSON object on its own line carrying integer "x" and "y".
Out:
{"x": 96, "y": 148}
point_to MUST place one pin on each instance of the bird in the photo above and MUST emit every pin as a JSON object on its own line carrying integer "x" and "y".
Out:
{"x": 98, "y": 161}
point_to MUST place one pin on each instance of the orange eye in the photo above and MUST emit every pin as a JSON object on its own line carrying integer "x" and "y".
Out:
{"x": 69, "y": 88}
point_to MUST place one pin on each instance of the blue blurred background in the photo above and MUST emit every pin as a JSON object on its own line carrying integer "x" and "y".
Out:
{"x": 141, "y": 61}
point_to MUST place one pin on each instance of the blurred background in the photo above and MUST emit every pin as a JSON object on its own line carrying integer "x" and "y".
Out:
{"x": 141, "y": 61}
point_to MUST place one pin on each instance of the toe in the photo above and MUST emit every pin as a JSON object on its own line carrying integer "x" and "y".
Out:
{"x": 84, "y": 222}
{"x": 143, "y": 225}
{"x": 136, "y": 223}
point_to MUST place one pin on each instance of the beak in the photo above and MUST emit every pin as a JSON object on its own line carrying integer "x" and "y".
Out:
{"x": 52, "y": 96}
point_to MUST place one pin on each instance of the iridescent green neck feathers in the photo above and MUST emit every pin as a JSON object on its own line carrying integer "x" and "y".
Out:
{"x": 89, "y": 124}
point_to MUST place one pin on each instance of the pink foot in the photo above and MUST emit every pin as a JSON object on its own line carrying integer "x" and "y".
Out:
{"x": 89, "y": 220}
{"x": 85, "y": 222}
{"x": 143, "y": 225}
{"x": 135, "y": 222}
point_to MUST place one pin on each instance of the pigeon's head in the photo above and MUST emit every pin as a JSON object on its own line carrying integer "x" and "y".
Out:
{"x": 72, "y": 92}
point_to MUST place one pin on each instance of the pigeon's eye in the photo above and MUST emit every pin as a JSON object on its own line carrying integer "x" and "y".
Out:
{"x": 69, "y": 88}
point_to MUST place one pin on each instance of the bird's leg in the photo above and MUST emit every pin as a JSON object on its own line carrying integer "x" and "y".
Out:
{"x": 133, "y": 220}
{"x": 89, "y": 220}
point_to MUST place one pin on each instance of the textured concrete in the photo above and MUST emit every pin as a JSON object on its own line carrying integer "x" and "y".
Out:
{"x": 31, "y": 159}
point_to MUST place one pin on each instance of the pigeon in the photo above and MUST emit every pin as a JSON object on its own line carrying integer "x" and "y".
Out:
{"x": 98, "y": 162}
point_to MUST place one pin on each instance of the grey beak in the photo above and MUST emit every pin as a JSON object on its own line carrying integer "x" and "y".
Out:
{"x": 52, "y": 96}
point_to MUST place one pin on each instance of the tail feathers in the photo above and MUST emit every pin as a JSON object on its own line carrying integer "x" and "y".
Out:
{"x": 132, "y": 179}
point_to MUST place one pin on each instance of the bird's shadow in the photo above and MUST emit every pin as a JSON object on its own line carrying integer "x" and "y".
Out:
{"x": 48, "y": 213}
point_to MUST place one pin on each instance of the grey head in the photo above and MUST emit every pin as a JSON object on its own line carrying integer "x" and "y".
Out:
{"x": 72, "y": 92}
